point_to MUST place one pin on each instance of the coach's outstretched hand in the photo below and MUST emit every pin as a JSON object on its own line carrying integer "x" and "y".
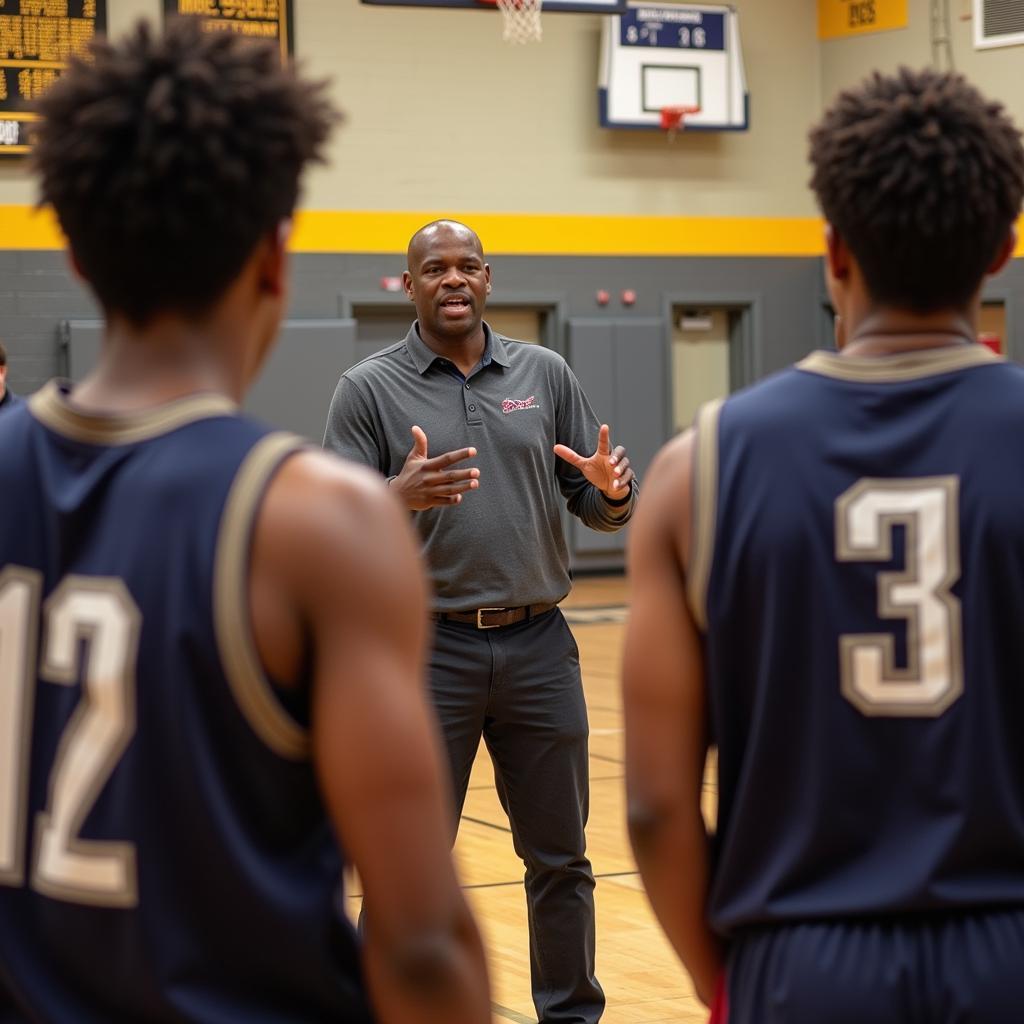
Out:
{"x": 429, "y": 483}
{"x": 606, "y": 469}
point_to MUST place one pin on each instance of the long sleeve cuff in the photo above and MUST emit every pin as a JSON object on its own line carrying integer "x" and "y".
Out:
{"x": 604, "y": 515}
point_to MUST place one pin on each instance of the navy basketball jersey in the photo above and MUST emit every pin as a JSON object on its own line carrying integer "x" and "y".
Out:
{"x": 164, "y": 852}
{"x": 858, "y": 569}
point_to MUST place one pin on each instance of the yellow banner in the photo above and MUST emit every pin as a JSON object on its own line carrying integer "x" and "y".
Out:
{"x": 839, "y": 18}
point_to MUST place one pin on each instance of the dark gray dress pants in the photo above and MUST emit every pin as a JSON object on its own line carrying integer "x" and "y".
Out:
{"x": 520, "y": 687}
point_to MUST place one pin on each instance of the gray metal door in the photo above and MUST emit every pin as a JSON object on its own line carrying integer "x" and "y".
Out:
{"x": 295, "y": 386}
{"x": 622, "y": 365}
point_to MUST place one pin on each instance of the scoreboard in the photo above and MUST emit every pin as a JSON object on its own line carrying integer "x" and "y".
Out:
{"x": 259, "y": 19}
{"x": 37, "y": 37}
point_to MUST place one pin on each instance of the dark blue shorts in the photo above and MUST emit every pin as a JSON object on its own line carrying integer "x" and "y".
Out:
{"x": 964, "y": 969}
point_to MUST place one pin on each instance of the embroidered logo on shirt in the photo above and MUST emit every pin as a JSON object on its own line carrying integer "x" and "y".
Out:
{"x": 518, "y": 404}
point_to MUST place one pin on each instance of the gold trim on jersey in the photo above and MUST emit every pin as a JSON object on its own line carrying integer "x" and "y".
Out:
{"x": 705, "y": 510}
{"x": 926, "y": 362}
{"x": 252, "y": 690}
{"x": 53, "y": 409}
{"x": 16, "y": 760}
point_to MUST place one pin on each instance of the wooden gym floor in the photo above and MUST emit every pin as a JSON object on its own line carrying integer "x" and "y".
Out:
{"x": 641, "y": 977}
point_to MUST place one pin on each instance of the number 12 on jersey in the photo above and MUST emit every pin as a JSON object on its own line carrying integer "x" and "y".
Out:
{"x": 100, "y": 612}
{"x": 920, "y": 595}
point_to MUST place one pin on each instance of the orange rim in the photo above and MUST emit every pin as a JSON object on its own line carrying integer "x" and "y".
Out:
{"x": 673, "y": 118}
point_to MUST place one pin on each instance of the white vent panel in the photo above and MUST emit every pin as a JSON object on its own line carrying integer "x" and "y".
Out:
{"x": 998, "y": 23}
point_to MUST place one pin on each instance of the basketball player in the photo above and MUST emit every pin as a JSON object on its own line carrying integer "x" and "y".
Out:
{"x": 210, "y": 636}
{"x": 828, "y": 583}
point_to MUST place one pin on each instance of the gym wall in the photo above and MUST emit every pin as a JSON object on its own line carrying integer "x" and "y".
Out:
{"x": 443, "y": 118}
{"x": 997, "y": 72}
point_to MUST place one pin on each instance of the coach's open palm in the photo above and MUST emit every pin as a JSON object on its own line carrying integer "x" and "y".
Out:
{"x": 429, "y": 482}
{"x": 607, "y": 469}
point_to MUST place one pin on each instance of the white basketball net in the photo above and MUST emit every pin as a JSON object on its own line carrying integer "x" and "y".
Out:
{"x": 522, "y": 20}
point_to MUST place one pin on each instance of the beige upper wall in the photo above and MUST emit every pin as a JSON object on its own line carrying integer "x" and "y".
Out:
{"x": 442, "y": 115}
{"x": 999, "y": 73}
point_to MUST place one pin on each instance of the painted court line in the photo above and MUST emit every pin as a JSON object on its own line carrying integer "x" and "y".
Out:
{"x": 487, "y": 824}
{"x": 507, "y": 1014}
{"x": 611, "y": 875}
{"x": 594, "y": 616}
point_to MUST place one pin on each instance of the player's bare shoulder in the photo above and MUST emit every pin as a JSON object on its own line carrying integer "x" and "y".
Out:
{"x": 676, "y": 455}
{"x": 329, "y": 530}
{"x": 670, "y": 473}
{"x": 314, "y": 483}
{"x": 666, "y": 510}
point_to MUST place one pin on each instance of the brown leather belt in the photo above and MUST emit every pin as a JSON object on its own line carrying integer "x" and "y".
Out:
{"x": 492, "y": 618}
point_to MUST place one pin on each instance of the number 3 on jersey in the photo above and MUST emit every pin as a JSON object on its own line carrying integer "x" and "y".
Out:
{"x": 928, "y": 510}
{"x": 102, "y": 613}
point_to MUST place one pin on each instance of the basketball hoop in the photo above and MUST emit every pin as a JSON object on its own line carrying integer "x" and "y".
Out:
{"x": 673, "y": 119}
{"x": 520, "y": 19}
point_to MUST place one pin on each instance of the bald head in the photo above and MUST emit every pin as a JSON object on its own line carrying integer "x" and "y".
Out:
{"x": 448, "y": 281}
{"x": 438, "y": 231}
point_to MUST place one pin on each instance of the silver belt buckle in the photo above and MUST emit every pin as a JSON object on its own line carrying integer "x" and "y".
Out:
{"x": 480, "y": 620}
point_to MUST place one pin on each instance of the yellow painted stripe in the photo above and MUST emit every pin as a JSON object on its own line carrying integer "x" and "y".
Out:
{"x": 526, "y": 234}
{"x": 569, "y": 234}
{"x": 25, "y": 227}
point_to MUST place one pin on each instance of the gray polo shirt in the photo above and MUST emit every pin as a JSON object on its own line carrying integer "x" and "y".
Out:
{"x": 503, "y": 545}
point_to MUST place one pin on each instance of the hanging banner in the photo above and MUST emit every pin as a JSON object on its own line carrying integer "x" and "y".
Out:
{"x": 261, "y": 19}
{"x": 36, "y": 39}
{"x": 840, "y": 18}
